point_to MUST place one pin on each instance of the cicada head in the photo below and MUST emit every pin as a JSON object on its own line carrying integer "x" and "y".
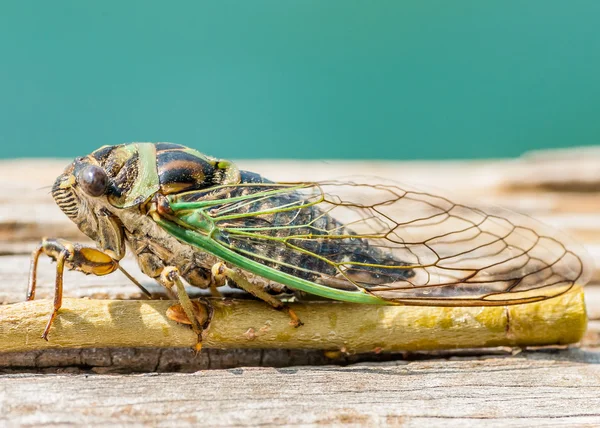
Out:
{"x": 82, "y": 192}
{"x": 77, "y": 188}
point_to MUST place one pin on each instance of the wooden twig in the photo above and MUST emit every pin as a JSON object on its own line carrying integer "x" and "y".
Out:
{"x": 84, "y": 323}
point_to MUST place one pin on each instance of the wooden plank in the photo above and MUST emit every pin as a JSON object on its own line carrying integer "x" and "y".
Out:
{"x": 592, "y": 299}
{"x": 573, "y": 169}
{"x": 530, "y": 389}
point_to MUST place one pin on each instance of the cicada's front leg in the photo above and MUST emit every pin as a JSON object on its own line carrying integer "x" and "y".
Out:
{"x": 198, "y": 315}
{"x": 73, "y": 256}
{"x": 220, "y": 271}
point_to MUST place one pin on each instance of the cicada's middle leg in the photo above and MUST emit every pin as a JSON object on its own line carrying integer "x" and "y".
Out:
{"x": 219, "y": 270}
{"x": 73, "y": 256}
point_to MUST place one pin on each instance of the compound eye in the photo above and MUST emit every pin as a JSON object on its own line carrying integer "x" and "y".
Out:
{"x": 93, "y": 180}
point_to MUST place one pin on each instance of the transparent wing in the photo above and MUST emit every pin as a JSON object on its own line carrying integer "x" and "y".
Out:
{"x": 390, "y": 240}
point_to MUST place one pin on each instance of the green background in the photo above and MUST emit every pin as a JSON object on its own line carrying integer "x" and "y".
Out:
{"x": 300, "y": 79}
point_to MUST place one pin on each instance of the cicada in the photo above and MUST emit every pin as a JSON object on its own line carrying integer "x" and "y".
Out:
{"x": 191, "y": 218}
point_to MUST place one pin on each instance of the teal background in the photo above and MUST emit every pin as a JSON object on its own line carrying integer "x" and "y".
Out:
{"x": 300, "y": 79}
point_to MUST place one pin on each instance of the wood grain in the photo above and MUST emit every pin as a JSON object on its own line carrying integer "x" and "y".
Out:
{"x": 535, "y": 389}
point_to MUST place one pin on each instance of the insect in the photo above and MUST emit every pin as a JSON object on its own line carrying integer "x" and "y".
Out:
{"x": 192, "y": 218}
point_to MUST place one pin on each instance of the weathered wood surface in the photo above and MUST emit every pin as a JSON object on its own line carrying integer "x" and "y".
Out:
{"x": 542, "y": 389}
{"x": 497, "y": 386}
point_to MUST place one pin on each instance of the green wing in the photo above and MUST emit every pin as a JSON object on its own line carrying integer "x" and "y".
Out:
{"x": 379, "y": 243}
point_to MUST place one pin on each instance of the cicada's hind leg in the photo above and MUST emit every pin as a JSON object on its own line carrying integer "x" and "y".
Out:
{"x": 219, "y": 271}
{"x": 73, "y": 256}
{"x": 198, "y": 315}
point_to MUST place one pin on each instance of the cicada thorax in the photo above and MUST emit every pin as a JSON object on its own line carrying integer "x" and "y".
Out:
{"x": 139, "y": 170}
{"x": 181, "y": 169}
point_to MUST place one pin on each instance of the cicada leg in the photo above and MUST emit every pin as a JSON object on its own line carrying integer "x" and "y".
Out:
{"x": 219, "y": 270}
{"x": 197, "y": 315}
{"x": 73, "y": 256}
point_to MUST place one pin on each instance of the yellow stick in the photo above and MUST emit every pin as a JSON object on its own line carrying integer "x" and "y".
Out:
{"x": 84, "y": 323}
